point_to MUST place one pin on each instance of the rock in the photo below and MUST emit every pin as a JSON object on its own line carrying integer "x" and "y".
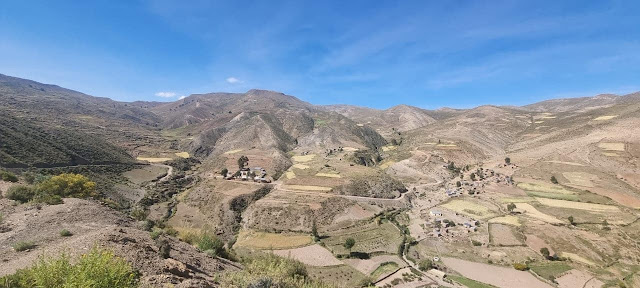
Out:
{"x": 176, "y": 268}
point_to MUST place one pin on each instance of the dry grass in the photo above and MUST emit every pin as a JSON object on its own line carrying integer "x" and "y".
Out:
{"x": 385, "y": 164}
{"x": 580, "y": 178}
{"x": 290, "y": 174}
{"x": 577, "y": 258}
{"x": 307, "y": 188}
{"x": 330, "y": 175}
{"x": 264, "y": 240}
{"x": 233, "y": 151}
{"x": 533, "y": 212}
{"x": 300, "y": 166}
{"x": 183, "y": 154}
{"x": 314, "y": 255}
{"x": 469, "y": 208}
{"x": 546, "y": 188}
{"x": 606, "y": 117}
{"x": 350, "y": 149}
{"x": 303, "y": 158}
{"x": 389, "y": 148}
{"x": 508, "y": 219}
{"x": 611, "y": 146}
{"x": 517, "y": 199}
{"x": 153, "y": 160}
{"x": 577, "y": 205}
{"x": 563, "y": 162}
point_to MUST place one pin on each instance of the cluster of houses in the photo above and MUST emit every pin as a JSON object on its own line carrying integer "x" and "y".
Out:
{"x": 256, "y": 174}
{"x": 442, "y": 225}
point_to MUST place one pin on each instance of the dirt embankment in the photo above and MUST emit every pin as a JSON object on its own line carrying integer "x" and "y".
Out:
{"x": 95, "y": 225}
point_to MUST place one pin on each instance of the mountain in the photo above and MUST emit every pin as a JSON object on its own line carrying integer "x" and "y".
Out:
{"x": 399, "y": 118}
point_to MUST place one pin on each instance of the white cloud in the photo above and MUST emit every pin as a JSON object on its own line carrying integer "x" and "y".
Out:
{"x": 182, "y": 97}
{"x": 233, "y": 80}
{"x": 166, "y": 94}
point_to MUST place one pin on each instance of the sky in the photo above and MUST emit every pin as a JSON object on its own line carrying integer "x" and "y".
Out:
{"x": 378, "y": 54}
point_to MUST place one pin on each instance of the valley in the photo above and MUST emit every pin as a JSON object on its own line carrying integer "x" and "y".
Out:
{"x": 542, "y": 195}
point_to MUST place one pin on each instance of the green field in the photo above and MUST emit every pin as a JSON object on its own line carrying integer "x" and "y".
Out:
{"x": 469, "y": 283}
{"x": 550, "y": 270}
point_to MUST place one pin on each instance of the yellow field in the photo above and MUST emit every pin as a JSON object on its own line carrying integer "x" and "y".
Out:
{"x": 360, "y": 125}
{"x": 330, "y": 175}
{"x": 539, "y": 122}
{"x": 300, "y": 166}
{"x": 577, "y": 205}
{"x": 303, "y": 158}
{"x": 350, "y": 149}
{"x": 264, "y": 240}
{"x": 290, "y": 174}
{"x": 469, "y": 208}
{"x": 610, "y": 154}
{"x": 566, "y": 163}
{"x": 517, "y": 199}
{"x": 548, "y": 188}
{"x": 183, "y": 154}
{"x": 447, "y": 145}
{"x": 533, "y": 212}
{"x": 611, "y": 146}
{"x": 389, "y": 148}
{"x": 580, "y": 178}
{"x": 509, "y": 220}
{"x": 548, "y": 117}
{"x": 606, "y": 117}
{"x": 233, "y": 151}
{"x": 386, "y": 164}
{"x": 153, "y": 160}
{"x": 577, "y": 258}
{"x": 307, "y": 188}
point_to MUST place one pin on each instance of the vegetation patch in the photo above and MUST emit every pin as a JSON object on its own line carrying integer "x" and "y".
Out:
{"x": 153, "y": 159}
{"x": 183, "y": 154}
{"x": 545, "y": 188}
{"x": 307, "y": 188}
{"x": 577, "y": 258}
{"x": 471, "y": 209}
{"x": 303, "y": 158}
{"x": 469, "y": 282}
{"x": 96, "y": 269}
{"x": 611, "y": 146}
{"x": 509, "y": 220}
{"x": 560, "y": 196}
{"x": 605, "y": 117}
{"x": 550, "y": 270}
{"x": 268, "y": 270}
{"x": 578, "y": 205}
{"x": 531, "y": 211}
{"x": 330, "y": 175}
{"x": 384, "y": 269}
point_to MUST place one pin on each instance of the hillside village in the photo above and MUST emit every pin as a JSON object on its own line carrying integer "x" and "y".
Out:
{"x": 264, "y": 178}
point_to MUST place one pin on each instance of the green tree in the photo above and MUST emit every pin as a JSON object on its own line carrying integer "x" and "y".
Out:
{"x": 511, "y": 207}
{"x": 349, "y": 243}
{"x": 224, "y": 172}
{"x": 554, "y": 180}
{"x": 314, "y": 231}
{"x": 507, "y": 160}
{"x": 242, "y": 161}
{"x": 473, "y": 177}
{"x": 545, "y": 252}
{"x": 458, "y": 184}
{"x": 68, "y": 185}
{"x": 571, "y": 220}
{"x": 425, "y": 264}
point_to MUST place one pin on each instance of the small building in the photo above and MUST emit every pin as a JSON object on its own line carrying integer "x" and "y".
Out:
{"x": 437, "y": 273}
{"x": 435, "y": 213}
{"x": 244, "y": 173}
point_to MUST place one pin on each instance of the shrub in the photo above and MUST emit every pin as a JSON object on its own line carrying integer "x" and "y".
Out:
{"x": 164, "y": 248}
{"x": 22, "y": 246}
{"x": 8, "y": 176}
{"x": 171, "y": 231}
{"x": 21, "y": 193}
{"x": 48, "y": 199}
{"x": 272, "y": 270}
{"x": 476, "y": 243}
{"x": 554, "y": 180}
{"x": 155, "y": 233}
{"x": 520, "y": 266}
{"x": 211, "y": 244}
{"x": 189, "y": 237}
{"x": 139, "y": 214}
{"x": 425, "y": 264}
{"x": 65, "y": 233}
{"x": 97, "y": 269}
{"x": 366, "y": 282}
{"x": 29, "y": 177}
{"x": 68, "y": 185}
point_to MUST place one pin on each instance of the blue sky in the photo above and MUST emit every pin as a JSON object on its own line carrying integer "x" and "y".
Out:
{"x": 371, "y": 53}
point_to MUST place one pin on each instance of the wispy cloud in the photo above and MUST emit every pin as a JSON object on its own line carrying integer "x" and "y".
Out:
{"x": 166, "y": 94}
{"x": 233, "y": 80}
